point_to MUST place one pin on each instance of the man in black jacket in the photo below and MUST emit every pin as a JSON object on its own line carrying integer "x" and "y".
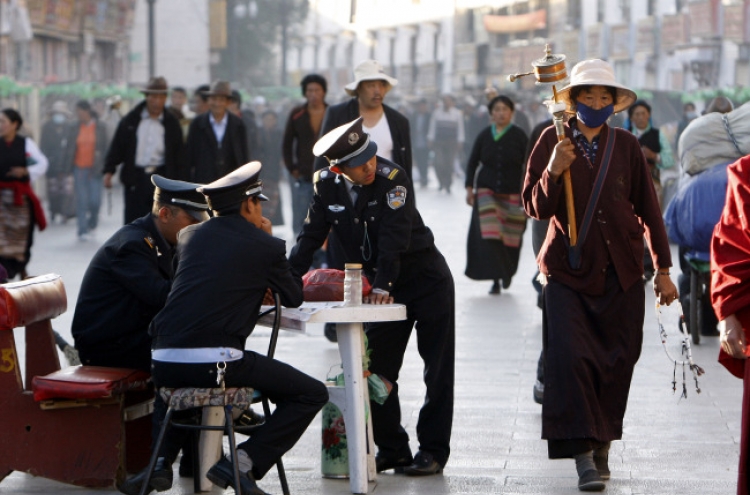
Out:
{"x": 129, "y": 277}
{"x": 369, "y": 203}
{"x": 226, "y": 265}
{"x": 148, "y": 141}
{"x": 217, "y": 140}
{"x": 368, "y": 90}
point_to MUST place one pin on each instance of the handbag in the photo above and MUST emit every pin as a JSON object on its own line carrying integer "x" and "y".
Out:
{"x": 327, "y": 284}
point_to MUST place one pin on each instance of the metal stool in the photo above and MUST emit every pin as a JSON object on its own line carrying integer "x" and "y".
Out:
{"x": 181, "y": 399}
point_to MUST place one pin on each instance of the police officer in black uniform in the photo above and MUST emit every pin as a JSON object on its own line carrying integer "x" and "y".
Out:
{"x": 368, "y": 201}
{"x": 129, "y": 277}
{"x": 225, "y": 267}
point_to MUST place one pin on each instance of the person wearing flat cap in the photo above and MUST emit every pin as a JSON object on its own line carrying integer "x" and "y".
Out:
{"x": 226, "y": 265}
{"x": 148, "y": 141}
{"x": 217, "y": 140}
{"x": 368, "y": 202}
{"x": 594, "y": 294}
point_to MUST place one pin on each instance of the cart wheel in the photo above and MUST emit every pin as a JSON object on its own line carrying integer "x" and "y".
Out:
{"x": 695, "y": 328}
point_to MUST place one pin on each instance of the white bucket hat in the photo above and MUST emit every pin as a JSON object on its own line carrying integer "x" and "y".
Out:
{"x": 595, "y": 72}
{"x": 60, "y": 107}
{"x": 369, "y": 70}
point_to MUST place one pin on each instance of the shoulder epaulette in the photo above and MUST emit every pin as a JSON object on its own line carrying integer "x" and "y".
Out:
{"x": 323, "y": 173}
{"x": 387, "y": 171}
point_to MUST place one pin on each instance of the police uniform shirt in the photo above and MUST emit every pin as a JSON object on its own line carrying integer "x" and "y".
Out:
{"x": 224, "y": 266}
{"x": 379, "y": 231}
{"x": 124, "y": 286}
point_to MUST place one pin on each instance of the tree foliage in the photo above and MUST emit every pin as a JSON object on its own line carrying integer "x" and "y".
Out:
{"x": 252, "y": 57}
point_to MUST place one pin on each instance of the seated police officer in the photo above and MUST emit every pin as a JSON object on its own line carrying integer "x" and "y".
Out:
{"x": 225, "y": 266}
{"x": 129, "y": 277}
{"x": 368, "y": 201}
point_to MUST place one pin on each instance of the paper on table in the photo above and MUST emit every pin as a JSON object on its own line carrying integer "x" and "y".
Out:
{"x": 294, "y": 318}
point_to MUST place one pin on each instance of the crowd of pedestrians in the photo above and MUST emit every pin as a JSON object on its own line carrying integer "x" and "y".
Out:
{"x": 362, "y": 156}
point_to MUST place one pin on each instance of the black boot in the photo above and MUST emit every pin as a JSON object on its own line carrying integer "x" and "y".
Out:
{"x": 161, "y": 479}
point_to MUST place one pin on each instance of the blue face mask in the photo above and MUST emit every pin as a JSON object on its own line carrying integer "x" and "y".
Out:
{"x": 593, "y": 118}
{"x": 58, "y": 118}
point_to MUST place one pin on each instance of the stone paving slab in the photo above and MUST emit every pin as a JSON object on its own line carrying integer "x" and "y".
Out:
{"x": 669, "y": 446}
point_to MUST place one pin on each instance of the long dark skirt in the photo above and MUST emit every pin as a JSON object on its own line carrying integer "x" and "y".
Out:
{"x": 488, "y": 259}
{"x": 591, "y": 345}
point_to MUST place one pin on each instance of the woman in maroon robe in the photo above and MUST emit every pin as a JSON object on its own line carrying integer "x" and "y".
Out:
{"x": 594, "y": 308}
{"x": 730, "y": 293}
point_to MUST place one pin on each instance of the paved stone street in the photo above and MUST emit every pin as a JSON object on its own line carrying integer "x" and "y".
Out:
{"x": 669, "y": 446}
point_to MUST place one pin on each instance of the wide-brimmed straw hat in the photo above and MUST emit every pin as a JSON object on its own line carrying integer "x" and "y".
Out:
{"x": 595, "y": 72}
{"x": 369, "y": 70}
{"x": 220, "y": 88}
{"x": 60, "y": 107}
{"x": 156, "y": 86}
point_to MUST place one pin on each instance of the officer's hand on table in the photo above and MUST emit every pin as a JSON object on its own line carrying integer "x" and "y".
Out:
{"x": 378, "y": 296}
{"x": 108, "y": 180}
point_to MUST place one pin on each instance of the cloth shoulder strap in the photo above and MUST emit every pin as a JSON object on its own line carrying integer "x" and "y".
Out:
{"x": 575, "y": 251}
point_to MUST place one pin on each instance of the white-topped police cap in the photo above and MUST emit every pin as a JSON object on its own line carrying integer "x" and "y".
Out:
{"x": 235, "y": 187}
{"x": 347, "y": 145}
{"x": 182, "y": 194}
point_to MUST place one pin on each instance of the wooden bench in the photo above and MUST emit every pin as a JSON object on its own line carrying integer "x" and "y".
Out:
{"x": 83, "y": 425}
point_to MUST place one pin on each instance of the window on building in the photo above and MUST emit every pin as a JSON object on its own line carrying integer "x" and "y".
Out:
{"x": 601, "y": 8}
{"x": 353, "y": 11}
{"x": 651, "y": 7}
{"x": 332, "y": 57}
{"x": 625, "y": 10}
{"x": 574, "y": 14}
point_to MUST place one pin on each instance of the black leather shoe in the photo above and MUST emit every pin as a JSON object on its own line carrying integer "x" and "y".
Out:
{"x": 424, "y": 465}
{"x": 222, "y": 475}
{"x": 495, "y": 289}
{"x": 383, "y": 463}
{"x": 591, "y": 481}
{"x": 161, "y": 479}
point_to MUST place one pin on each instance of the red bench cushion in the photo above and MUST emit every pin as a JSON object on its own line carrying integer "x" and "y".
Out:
{"x": 88, "y": 382}
{"x": 31, "y": 300}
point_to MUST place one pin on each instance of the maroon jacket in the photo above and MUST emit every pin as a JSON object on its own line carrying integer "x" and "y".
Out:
{"x": 627, "y": 209}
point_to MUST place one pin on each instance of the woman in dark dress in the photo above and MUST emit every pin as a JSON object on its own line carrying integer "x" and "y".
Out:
{"x": 494, "y": 175}
{"x": 20, "y": 209}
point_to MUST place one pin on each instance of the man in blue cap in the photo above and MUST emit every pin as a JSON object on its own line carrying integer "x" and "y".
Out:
{"x": 368, "y": 202}
{"x": 226, "y": 265}
{"x": 129, "y": 277}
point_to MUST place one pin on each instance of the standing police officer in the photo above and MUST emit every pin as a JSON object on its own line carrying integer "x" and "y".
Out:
{"x": 368, "y": 202}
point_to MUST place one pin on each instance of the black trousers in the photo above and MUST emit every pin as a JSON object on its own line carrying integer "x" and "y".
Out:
{"x": 422, "y": 158}
{"x": 139, "y": 197}
{"x": 298, "y": 398}
{"x": 425, "y": 286}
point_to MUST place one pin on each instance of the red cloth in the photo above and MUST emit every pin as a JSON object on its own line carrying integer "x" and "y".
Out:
{"x": 730, "y": 287}
{"x": 21, "y": 189}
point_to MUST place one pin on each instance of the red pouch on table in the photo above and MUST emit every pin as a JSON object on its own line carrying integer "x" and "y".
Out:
{"x": 327, "y": 284}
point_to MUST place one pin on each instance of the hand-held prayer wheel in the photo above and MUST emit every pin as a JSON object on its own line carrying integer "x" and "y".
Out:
{"x": 549, "y": 70}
